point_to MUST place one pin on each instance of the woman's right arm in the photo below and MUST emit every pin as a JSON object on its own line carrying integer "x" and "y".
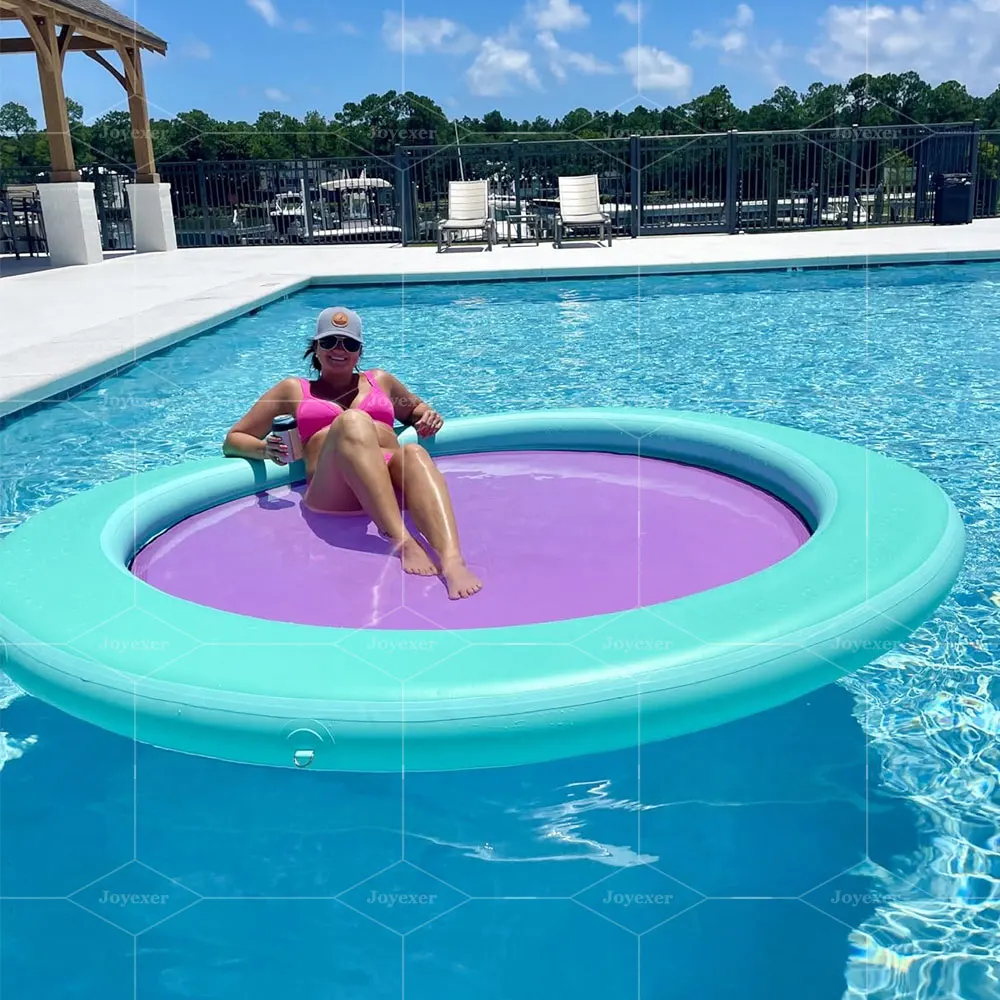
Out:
{"x": 248, "y": 437}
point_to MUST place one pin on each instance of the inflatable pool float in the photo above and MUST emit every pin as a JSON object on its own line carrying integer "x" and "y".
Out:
{"x": 647, "y": 574}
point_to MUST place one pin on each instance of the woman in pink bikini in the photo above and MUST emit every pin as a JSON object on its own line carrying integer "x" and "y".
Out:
{"x": 353, "y": 460}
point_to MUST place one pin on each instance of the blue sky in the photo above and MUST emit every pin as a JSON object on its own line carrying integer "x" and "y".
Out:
{"x": 235, "y": 58}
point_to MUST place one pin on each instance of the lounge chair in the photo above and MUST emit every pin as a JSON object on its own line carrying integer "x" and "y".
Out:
{"x": 468, "y": 209}
{"x": 580, "y": 207}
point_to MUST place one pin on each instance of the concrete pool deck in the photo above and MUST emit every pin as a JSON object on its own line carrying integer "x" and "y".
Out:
{"x": 64, "y": 327}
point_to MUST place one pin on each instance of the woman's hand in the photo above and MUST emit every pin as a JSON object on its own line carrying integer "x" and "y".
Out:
{"x": 429, "y": 422}
{"x": 275, "y": 450}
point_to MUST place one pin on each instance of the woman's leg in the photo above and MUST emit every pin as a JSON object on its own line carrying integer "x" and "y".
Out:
{"x": 425, "y": 494}
{"x": 351, "y": 457}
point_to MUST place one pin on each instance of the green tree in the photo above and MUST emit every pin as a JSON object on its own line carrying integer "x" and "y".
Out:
{"x": 823, "y": 106}
{"x": 950, "y": 102}
{"x": 15, "y": 120}
{"x": 580, "y": 123}
{"x": 782, "y": 110}
{"x": 79, "y": 133}
{"x": 111, "y": 139}
{"x": 373, "y": 125}
{"x": 423, "y": 122}
{"x": 859, "y": 99}
{"x": 235, "y": 141}
{"x": 990, "y": 110}
{"x": 911, "y": 98}
{"x": 712, "y": 112}
{"x": 191, "y": 135}
{"x": 644, "y": 121}
{"x": 277, "y": 136}
{"x": 316, "y": 135}
{"x": 379, "y": 121}
{"x": 18, "y": 135}
{"x": 494, "y": 123}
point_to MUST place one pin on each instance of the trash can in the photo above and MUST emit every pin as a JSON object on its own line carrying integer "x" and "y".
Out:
{"x": 952, "y": 199}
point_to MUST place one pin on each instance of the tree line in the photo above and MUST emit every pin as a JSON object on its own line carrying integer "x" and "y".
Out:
{"x": 378, "y": 122}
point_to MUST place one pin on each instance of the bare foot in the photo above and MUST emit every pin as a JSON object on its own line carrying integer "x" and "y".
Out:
{"x": 462, "y": 582}
{"x": 415, "y": 560}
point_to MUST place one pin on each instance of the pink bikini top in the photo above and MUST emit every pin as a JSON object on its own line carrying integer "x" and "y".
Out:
{"x": 314, "y": 413}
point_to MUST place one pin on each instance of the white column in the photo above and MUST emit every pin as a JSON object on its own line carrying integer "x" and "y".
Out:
{"x": 72, "y": 232}
{"x": 152, "y": 217}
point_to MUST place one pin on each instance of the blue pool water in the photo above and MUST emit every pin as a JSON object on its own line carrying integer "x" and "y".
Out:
{"x": 845, "y": 845}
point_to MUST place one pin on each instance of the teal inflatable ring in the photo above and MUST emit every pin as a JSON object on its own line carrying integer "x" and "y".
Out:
{"x": 82, "y": 633}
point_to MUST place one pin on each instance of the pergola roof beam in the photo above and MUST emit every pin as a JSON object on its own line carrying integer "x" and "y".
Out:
{"x": 77, "y": 43}
{"x": 128, "y": 33}
{"x": 97, "y": 57}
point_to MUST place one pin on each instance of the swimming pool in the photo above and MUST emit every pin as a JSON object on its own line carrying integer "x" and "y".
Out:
{"x": 510, "y": 876}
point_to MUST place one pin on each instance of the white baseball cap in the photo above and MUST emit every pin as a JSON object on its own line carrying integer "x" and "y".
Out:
{"x": 339, "y": 319}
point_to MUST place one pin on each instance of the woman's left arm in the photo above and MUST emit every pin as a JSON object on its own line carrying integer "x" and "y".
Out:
{"x": 410, "y": 409}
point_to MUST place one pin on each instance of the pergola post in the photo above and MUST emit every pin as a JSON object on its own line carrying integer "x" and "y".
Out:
{"x": 152, "y": 214}
{"x": 72, "y": 232}
{"x": 49, "y": 62}
{"x": 142, "y": 139}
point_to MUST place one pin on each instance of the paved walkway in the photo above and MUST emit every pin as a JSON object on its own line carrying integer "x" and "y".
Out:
{"x": 59, "y": 328}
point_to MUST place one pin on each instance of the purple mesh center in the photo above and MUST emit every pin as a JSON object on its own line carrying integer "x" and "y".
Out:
{"x": 554, "y": 535}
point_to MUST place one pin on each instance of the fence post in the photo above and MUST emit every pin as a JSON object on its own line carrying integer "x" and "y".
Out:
{"x": 99, "y": 195}
{"x": 974, "y": 167}
{"x": 920, "y": 187}
{"x": 402, "y": 195}
{"x": 203, "y": 198}
{"x": 516, "y": 157}
{"x": 852, "y": 184}
{"x": 307, "y": 201}
{"x": 635, "y": 191}
{"x": 731, "y": 166}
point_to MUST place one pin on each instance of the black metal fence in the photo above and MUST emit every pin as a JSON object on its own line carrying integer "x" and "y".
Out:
{"x": 726, "y": 182}
{"x": 22, "y": 228}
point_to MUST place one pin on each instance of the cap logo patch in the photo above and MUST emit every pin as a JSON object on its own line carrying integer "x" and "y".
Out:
{"x": 339, "y": 319}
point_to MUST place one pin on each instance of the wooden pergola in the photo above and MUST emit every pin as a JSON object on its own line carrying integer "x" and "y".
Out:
{"x": 56, "y": 27}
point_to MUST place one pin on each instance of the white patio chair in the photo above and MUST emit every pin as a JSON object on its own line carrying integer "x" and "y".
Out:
{"x": 580, "y": 207}
{"x": 468, "y": 209}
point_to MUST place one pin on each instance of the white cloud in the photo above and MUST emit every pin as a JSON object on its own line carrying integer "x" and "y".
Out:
{"x": 631, "y": 11}
{"x": 560, "y": 58}
{"x": 346, "y": 28}
{"x": 557, "y": 15}
{"x": 194, "y": 48}
{"x": 939, "y": 40}
{"x": 273, "y": 94}
{"x": 734, "y": 39}
{"x": 738, "y": 44}
{"x": 425, "y": 34}
{"x": 653, "y": 69}
{"x": 267, "y": 10}
{"x": 497, "y": 67}
{"x": 302, "y": 26}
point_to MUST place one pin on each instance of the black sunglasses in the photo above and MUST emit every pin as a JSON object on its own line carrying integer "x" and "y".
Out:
{"x": 329, "y": 342}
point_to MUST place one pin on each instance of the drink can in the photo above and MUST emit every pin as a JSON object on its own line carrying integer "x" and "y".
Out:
{"x": 286, "y": 428}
